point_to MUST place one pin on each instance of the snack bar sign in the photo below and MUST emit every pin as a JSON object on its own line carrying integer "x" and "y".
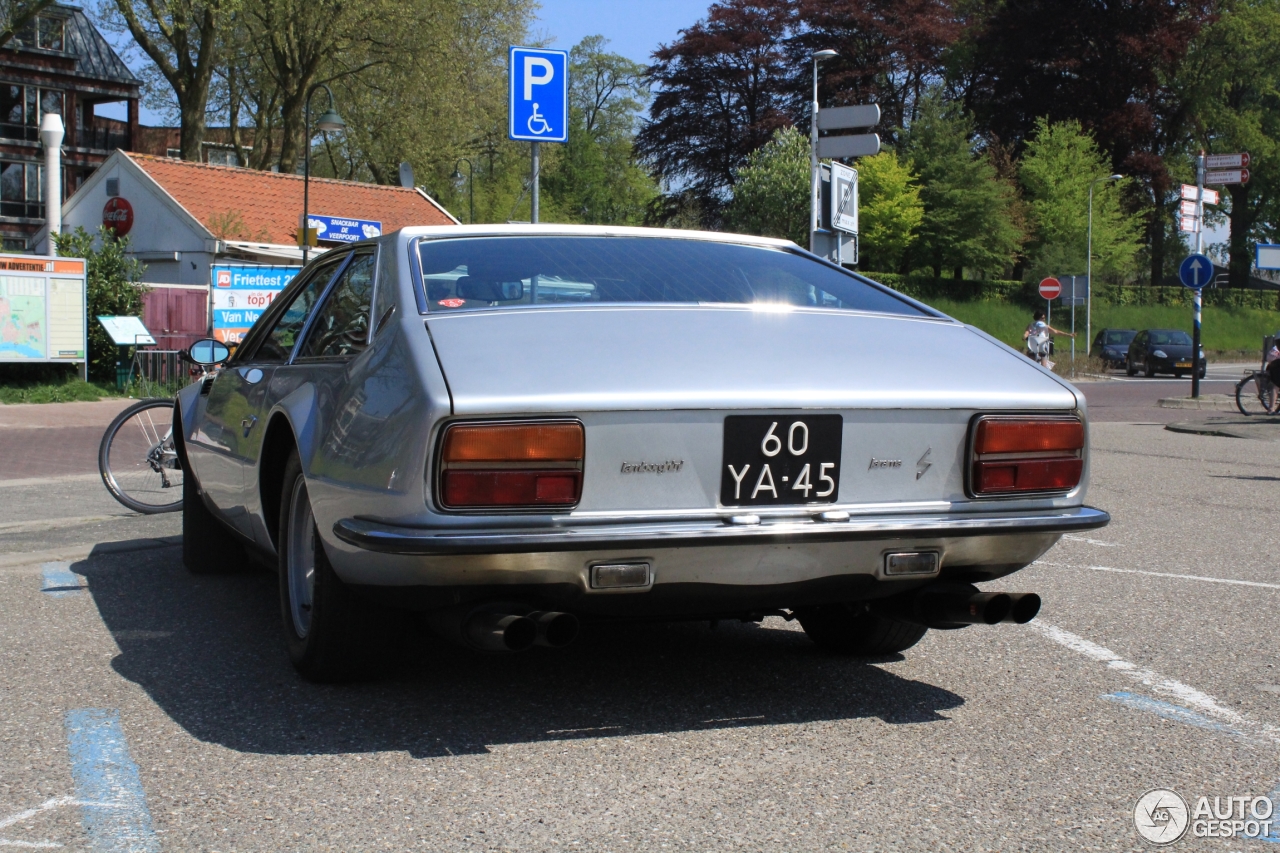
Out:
{"x": 337, "y": 229}
{"x": 240, "y": 295}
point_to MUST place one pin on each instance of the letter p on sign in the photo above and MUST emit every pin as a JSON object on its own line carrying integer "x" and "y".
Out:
{"x": 531, "y": 78}
{"x": 538, "y": 95}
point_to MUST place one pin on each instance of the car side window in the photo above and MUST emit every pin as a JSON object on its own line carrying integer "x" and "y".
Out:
{"x": 384, "y": 303}
{"x": 278, "y": 343}
{"x": 341, "y": 327}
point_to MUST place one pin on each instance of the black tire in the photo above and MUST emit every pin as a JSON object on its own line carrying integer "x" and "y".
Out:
{"x": 336, "y": 636}
{"x": 1148, "y": 370}
{"x": 1129, "y": 369}
{"x": 1248, "y": 400}
{"x": 208, "y": 547}
{"x": 137, "y": 461}
{"x": 852, "y": 629}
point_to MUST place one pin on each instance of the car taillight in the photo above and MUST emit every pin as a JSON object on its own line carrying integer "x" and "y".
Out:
{"x": 521, "y": 466}
{"x": 1016, "y": 454}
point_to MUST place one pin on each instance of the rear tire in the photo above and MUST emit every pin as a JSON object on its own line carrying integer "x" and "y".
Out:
{"x": 1148, "y": 370}
{"x": 1248, "y": 399}
{"x": 852, "y": 629}
{"x": 333, "y": 635}
{"x": 1129, "y": 369}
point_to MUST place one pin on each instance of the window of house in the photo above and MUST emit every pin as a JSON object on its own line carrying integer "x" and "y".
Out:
{"x": 21, "y": 108}
{"x": 222, "y": 157}
{"x": 10, "y": 243}
{"x": 47, "y": 32}
{"x": 20, "y": 189}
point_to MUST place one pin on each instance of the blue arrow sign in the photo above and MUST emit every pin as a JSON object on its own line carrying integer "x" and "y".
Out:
{"x": 538, "y": 95}
{"x": 1196, "y": 271}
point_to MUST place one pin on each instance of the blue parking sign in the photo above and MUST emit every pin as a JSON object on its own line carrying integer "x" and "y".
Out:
{"x": 538, "y": 97}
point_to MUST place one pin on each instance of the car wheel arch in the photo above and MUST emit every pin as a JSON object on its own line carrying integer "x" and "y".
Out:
{"x": 276, "y": 444}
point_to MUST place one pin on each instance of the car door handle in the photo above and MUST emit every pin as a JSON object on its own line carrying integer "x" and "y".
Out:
{"x": 248, "y": 423}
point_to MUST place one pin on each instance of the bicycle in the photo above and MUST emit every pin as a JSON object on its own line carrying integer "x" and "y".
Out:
{"x": 137, "y": 458}
{"x": 1256, "y": 394}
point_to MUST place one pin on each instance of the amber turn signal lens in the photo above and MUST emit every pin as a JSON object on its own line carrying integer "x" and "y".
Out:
{"x": 1028, "y": 435}
{"x": 514, "y": 443}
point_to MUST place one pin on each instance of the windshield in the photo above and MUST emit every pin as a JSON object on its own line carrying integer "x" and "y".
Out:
{"x": 485, "y": 272}
{"x": 1173, "y": 338}
{"x": 1119, "y": 337}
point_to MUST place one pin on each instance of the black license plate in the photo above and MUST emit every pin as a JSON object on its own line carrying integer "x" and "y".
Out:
{"x": 778, "y": 460}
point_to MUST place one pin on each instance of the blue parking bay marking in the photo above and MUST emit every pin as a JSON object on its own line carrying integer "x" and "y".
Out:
{"x": 114, "y": 807}
{"x": 58, "y": 580}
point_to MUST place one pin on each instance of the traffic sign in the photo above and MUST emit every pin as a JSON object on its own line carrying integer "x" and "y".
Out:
{"x": 840, "y": 147}
{"x": 1196, "y": 271}
{"x": 1188, "y": 224}
{"x": 1187, "y": 208}
{"x": 538, "y": 95}
{"x": 1189, "y": 194}
{"x": 1229, "y": 176}
{"x": 1227, "y": 161}
{"x": 1050, "y": 288}
{"x": 846, "y": 118}
{"x": 1268, "y": 256}
{"x": 844, "y": 198}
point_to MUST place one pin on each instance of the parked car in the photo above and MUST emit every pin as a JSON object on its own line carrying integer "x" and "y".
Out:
{"x": 509, "y": 429}
{"x": 1161, "y": 351}
{"x": 1112, "y": 346}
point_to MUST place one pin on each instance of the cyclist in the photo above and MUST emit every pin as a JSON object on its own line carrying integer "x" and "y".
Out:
{"x": 1037, "y": 337}
{"x": 1271, "y": 361}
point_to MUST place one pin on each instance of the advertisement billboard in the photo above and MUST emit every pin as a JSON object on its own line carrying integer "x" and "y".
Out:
{"x": 42, "y": 309}
{"x": 241, "y": 293}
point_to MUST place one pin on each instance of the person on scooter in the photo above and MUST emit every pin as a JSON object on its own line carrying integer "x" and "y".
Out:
{"x": 1037, "y": 337}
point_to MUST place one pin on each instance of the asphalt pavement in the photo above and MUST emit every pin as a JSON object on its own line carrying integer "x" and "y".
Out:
{"x": 143, "y": 708}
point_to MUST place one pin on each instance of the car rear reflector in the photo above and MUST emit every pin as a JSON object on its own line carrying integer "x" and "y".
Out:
{"x": 556, "y": 442}
{"x": 1021, "y": 454}
{"x": 1023, "y": 435}
{"x": 511, "y": 465}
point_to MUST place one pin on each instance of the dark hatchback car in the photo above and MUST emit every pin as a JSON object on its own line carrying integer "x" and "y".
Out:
{"x": 1112, "y": 346}
{"x": 1161, "y": 351}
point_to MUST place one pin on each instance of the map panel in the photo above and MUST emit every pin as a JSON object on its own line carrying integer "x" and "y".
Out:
{"x": 23, "y": 318}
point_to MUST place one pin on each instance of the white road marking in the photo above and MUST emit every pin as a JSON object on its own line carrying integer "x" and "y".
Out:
{"x": 1201, "y": 578}
{"x": 1185, "y": 694}
{"x": 1088, "y": 541}
{"x": 54, "y": 803}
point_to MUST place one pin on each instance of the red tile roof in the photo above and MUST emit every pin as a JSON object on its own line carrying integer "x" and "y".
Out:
{"x": 245, "y": 204}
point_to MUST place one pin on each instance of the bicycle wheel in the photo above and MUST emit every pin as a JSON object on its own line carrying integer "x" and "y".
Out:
{"x": 137, "y": 460}
{"x": 1251, "y": 398}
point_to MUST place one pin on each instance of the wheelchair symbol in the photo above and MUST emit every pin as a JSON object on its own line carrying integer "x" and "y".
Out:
{"x": 538, "y": 119}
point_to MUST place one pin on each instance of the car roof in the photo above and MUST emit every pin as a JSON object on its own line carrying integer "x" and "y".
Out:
{"x": 558, "y": 230}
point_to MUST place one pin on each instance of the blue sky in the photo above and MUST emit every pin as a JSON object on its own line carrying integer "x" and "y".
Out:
{"x": 634, "y": 29}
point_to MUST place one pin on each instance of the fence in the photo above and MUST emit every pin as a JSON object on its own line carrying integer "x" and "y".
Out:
{"x": 158, "y": 372}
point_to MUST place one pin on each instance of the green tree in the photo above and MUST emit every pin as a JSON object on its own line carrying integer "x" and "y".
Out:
{"x": 1059, "y": 163}
{"x": 114, "y": 289}
{"x": 771, "y": 192}
{"x": 890, "y": 211}
{"x": 971, "y": 216}
{"x": 1232, "y": 79}
{"x": 596, "y": 179}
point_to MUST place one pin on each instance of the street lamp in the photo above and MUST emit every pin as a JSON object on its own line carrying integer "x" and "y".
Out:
{"x": 329, "y": 122}
{"x": 1088, "y": 274}
{"x": 471, "y": 186}
{"x": 817, "y": 56}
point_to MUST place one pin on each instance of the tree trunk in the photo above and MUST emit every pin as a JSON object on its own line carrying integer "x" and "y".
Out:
{"x": 292, "y": 131}
{"x": 1241, "y": 221}
{"x": 192, "y": 111}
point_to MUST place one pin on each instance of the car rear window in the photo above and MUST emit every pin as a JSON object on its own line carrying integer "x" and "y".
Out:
{"x": 487, "y": 272}
{"x": 1119, "y": 337}
{"x": 1172, "y": 338}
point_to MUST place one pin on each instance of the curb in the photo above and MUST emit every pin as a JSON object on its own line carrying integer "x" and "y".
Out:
{"x": 1205, "y": 402}
{"x": 1260, "y": 430}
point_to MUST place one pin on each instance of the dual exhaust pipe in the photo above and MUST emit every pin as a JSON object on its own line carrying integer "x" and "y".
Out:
{"x": 505, "y": 627}
{"x": 944, "y": 606}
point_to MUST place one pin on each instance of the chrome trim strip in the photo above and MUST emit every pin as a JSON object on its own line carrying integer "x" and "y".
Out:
{"x": 393, "y": 539}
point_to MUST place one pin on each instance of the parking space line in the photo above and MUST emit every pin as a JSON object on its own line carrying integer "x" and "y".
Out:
{"x": 1167, "y": 711}
{"x": 105, "y": 773}
{"x": 1202, "y": 578}
{"x": 14, "y": 819}
{"x": 57, "y": 580}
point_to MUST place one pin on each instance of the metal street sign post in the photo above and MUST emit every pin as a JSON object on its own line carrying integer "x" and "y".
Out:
{"x": 842, "y": 147}
{"x": 844, "y": 181}
{"x": 1189, "y": 194}
{"x": 844, "y": 199}
{"x": 1075, "y": 291}
{"x": 1229, "y": 176}
{"x": 1227, "y": 161}
{"x": 537, "y": 104}
{"x": 1195, "y": 272}
{"x": 1050, "y": 289}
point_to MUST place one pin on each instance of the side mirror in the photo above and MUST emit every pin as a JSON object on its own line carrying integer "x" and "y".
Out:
{"x": 208, "y": 352}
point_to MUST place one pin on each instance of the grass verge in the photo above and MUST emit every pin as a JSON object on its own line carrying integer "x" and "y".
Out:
{"x": 68, "y": 391}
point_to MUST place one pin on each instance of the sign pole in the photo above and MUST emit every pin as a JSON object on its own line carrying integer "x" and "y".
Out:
{"x": 533, "y": 180}
{"x": 1195, "y": 295}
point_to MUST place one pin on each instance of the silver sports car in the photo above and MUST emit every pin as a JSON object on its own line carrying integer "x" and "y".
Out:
{"x": 509, "y": 429}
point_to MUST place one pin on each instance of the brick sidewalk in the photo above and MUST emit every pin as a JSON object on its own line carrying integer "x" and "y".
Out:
{"x": 53, "y": 439}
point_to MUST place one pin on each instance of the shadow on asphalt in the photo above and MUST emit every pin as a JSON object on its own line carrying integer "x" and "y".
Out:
{"x": 210, "y": 652}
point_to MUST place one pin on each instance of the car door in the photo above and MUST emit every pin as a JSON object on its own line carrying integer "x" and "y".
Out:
{"x": 231, "y": 435}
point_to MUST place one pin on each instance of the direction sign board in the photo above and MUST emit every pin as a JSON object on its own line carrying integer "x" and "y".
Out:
{"x": 846, "y": 118}
{"x": 1196, "y": 271}
{"x": 1187, "y": 208}
{"x": 538, "y": 95}
{"x": 1228, "y": 176}
{"x": 340, "y": 229}
{"x": 1188, "y": 224}
{"x": 1050, "y": 288}
{"x": 1189, "y": 194}
{"x": 1227, "y": 161}
{"x": 1075, "y": 289}
{"x": 842, "y": 147}
{"x": 844, "y": 198}
{"x": 1268, "y": 256}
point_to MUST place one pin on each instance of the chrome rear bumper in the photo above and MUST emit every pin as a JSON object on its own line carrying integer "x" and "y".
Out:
{"x": 385, "y": 538}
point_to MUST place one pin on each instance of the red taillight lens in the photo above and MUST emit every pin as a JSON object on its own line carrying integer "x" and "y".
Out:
{"x": 1027, "y": 454}
{"x": 511, "y": 465}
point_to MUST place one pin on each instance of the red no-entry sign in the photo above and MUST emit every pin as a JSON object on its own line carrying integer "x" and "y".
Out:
{"x": 1050, "y": 288}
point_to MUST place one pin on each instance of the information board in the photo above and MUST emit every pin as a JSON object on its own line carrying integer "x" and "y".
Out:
{"x": 339, "y": 229}
{"x": 240, "y": 294}
{"x": 42, "y": 309}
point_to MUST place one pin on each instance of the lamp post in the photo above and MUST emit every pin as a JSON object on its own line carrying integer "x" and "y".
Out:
{"x": 471, "y": 186}
{"x": 1088, "y": 275}
{"x": 329, "y": 121}
{"x": 818, "y": 56}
